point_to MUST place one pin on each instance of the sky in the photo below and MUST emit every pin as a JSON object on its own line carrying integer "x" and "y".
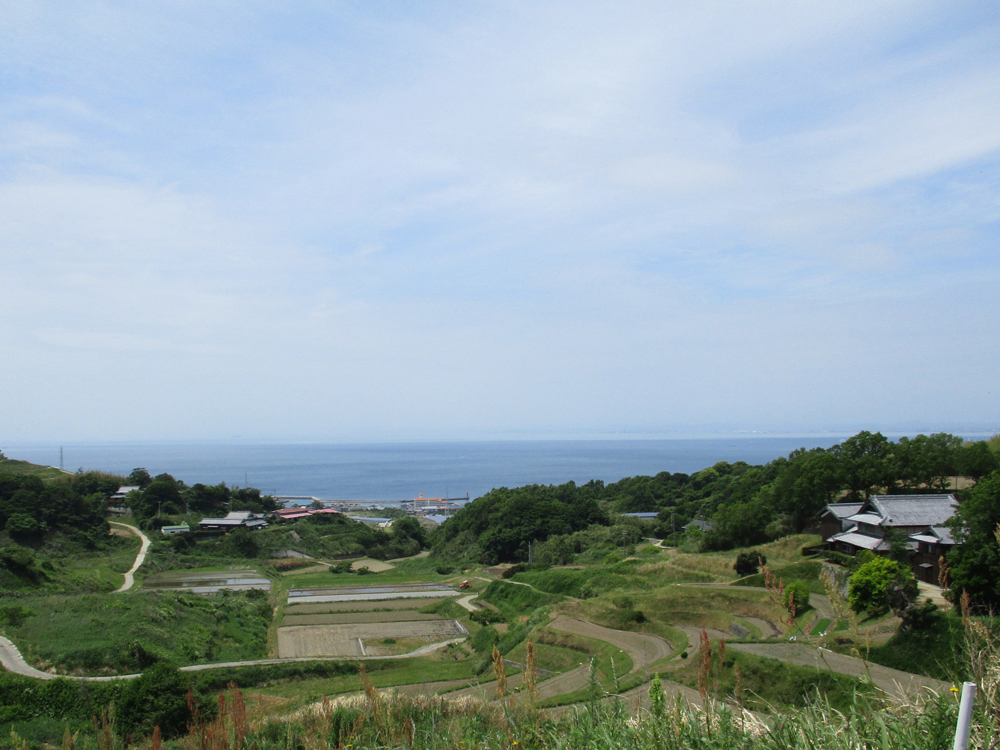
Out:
{"x": 351, "y": 221}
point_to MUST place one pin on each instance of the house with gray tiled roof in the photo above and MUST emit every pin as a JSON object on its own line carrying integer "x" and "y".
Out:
{"x": 905, "y": 514}
{"x": 833, "y": 518}
{"x": 932, "y": 544}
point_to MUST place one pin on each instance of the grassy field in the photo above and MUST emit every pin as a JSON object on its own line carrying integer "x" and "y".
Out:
{"x": 765, "y": 684}
{"x": 103, "y": 633}
{"x": 45, "y": 473}
{"x": 382, "y": 674}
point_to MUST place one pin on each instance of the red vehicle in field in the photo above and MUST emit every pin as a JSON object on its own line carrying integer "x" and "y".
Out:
{"x": 465, "y": 585}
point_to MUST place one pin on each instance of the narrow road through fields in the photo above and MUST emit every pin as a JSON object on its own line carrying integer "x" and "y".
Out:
{"x": 642, "y": 648}
{"x": 893, "y": 681}
{"x": 12, "y": 661}
{"x": 139, "y": 559}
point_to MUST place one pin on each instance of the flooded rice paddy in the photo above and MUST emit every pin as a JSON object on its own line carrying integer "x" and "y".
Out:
{"x": 208, "y": 582}
{"x": 370, "y": 593}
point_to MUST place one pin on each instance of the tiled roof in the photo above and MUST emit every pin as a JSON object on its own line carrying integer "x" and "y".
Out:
{"x": 913, "y": 510}
{"x": 852, "y": 537}
{"x": 934, "y": 535}
{"x": 842, "y": 510}
{"x": 869, "y": 518}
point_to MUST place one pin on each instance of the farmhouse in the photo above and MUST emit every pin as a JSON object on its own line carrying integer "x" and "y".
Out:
{"x": 234, "y": 520}
{"x": 931, "y": 546}
{"x": 833, "y": 518}
{"x": 880, "y": 516}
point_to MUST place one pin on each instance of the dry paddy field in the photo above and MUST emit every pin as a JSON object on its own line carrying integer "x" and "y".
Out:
{"x": 363, "y": 620}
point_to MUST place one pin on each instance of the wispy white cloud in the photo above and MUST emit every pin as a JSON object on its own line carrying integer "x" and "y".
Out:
{"x": 369, "y": 219}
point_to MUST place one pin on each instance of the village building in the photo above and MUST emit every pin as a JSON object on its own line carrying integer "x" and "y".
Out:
{"x": 917, "y": 520}
{"x": 932, "y": 544}
{"x": 236, "y": 519}
{"x": 833, "y": 518}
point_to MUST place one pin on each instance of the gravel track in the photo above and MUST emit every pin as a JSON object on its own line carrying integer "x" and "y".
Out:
{"x": 12, "y": 661}
{"x": 139, "y": 559}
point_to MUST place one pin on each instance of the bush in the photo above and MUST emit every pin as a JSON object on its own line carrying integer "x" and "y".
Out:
{"x": 748, "y": 563}
{"x": 881, "y": 584}
{"x": 486, "y": 616}
{"x": 796, "y": 596}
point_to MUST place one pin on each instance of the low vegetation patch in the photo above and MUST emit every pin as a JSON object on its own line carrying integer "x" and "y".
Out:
{"x": 100, "y": 634}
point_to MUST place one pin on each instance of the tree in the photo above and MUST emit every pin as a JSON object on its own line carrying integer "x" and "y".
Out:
{"x": 805, "y": 484}
{"x": 975, "y": 561}
{"x": 976, "y": 460}
{"x": 22, "y": 526}
{"x": 864, "y": 462}
{"x": 158, "y": 698}
{"x": 139, "y": 478}
{"x": 409, "y": 527}
{"x": 881, "y": 584}
{"x": 242, "y": 543}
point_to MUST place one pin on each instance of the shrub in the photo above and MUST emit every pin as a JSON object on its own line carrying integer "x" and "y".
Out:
{"x": 796, "y": 596}
{"x": 486, "y": 616}
{"x": 881, "y": 584}
{"x": 748, "y": 563}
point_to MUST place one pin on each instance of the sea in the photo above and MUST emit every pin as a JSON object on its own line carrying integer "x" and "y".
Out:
{"x": 385, "y": 472}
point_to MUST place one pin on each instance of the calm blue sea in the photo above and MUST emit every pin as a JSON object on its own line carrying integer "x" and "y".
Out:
{"x": 398, "y": 471}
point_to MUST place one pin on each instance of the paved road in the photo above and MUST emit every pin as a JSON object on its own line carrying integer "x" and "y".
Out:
{"x": 466, "y": 602}
{"x": 12, "y": 661}
{"x": 139, "y": 559}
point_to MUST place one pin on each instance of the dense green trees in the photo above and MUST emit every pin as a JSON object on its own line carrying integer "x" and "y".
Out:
{"x": 745, "y": 504}
{"x": 499, "y": 525}
{"x": 975, "y": 563}
{"x": 30, "y": 508}
{"x": 164, "y": 495}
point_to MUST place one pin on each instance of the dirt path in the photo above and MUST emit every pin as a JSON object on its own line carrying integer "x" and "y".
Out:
{"x": 12, "y": 661}
{"x": 643, "y": 649}
{"x": 893, "y": 681}
{"x": 139, "y": 559}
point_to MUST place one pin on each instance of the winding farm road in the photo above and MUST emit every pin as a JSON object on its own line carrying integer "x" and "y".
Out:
{"x": 12, "y": 661}
{"x": 139, "y": 559}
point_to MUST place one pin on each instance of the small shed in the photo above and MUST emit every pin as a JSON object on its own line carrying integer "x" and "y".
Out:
{"x": 179, "y": 529}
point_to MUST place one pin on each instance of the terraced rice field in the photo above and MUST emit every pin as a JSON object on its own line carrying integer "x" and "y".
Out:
{"x": 208, "y": 581}
{"x": 378, "y": 606}
{"x": 350, "y": 639}
{"x": 369, "y": 593}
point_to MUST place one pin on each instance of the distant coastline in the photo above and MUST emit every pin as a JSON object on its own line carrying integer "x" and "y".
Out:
{"x": 397, "y": 471}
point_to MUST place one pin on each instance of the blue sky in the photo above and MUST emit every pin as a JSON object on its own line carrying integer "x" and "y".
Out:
{"x": 366, "y": 221}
